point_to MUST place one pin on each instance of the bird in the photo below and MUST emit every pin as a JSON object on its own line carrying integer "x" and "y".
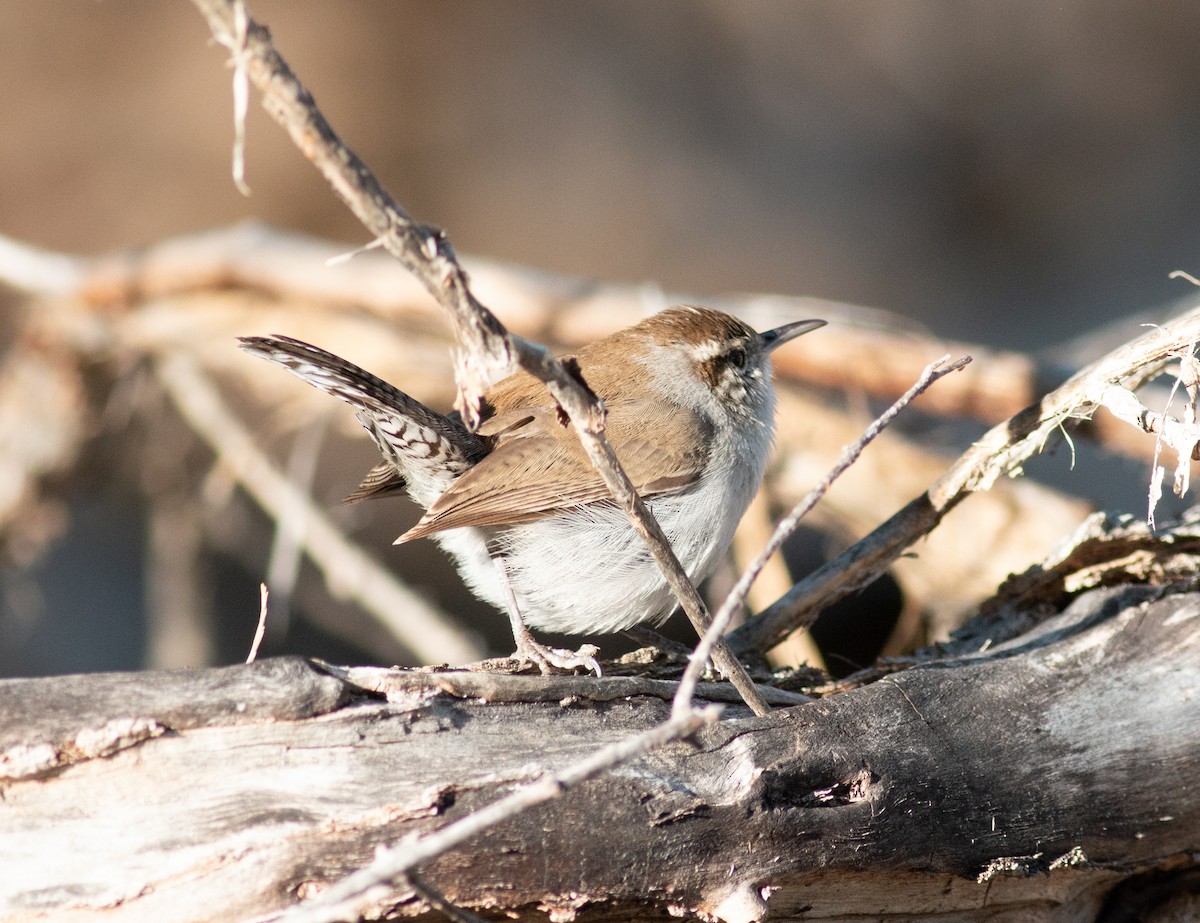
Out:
{"x": 516, "y": 503}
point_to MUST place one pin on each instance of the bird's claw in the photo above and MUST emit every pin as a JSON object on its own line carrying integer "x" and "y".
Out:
{"x": 548, "y": 659}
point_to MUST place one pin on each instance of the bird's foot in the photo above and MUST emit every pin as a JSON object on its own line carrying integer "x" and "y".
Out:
{"x": 548, "y": 659}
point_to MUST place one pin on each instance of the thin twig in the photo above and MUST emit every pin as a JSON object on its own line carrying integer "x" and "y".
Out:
{"x": 343, "y": 897}
{"x": 737, "y": 596}
{"x": 438, "y": 901}
{"x": 426, "y": 252}
{"x": 262, "y": 623}
{"x": 752, "y": 535}
{"x": 241, "y": 93}
{"x": 416, "y": 624}
{"x": 1001, "y": 451}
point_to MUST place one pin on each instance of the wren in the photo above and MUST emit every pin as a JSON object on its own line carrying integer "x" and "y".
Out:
{"x": 529, "y": 523}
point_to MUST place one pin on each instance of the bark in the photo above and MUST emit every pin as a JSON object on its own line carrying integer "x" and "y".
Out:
{"x": 1050, "y": 776}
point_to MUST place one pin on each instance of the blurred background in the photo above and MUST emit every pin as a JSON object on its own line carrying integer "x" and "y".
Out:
{"x": 1013, "y": 174}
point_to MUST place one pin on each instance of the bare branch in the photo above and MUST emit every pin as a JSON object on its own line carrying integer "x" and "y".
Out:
{"x": 996, "y": 386}
{"x": 241, "y": 94}
{"x": 1001, "y": 451}
{"x": 426, "y": 252}
{"x": 422, "y": 249}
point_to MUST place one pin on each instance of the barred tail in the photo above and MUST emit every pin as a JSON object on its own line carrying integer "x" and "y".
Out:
{"x": 417, "y": 443}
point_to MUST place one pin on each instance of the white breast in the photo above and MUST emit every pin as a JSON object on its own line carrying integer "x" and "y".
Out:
{"x": 586, "y": 571}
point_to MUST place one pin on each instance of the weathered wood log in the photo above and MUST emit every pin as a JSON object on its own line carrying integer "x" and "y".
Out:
{"x": 1032, "y": 780}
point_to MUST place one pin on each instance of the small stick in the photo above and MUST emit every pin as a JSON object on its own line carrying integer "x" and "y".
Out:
{"x": 262, "y": 623}
{"x": 438, "y": 901}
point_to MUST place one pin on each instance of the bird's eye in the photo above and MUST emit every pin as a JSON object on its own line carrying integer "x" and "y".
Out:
{"x": 737, "y": 357}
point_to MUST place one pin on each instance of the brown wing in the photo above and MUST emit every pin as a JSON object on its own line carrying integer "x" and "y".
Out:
{"x": 539, "y": 468}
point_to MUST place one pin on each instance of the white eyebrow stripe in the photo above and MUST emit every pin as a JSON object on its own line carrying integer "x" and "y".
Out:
{"x": 706, "y": 350}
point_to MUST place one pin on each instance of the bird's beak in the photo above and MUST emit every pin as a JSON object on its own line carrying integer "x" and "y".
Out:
{"x": 780, "y": 335}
